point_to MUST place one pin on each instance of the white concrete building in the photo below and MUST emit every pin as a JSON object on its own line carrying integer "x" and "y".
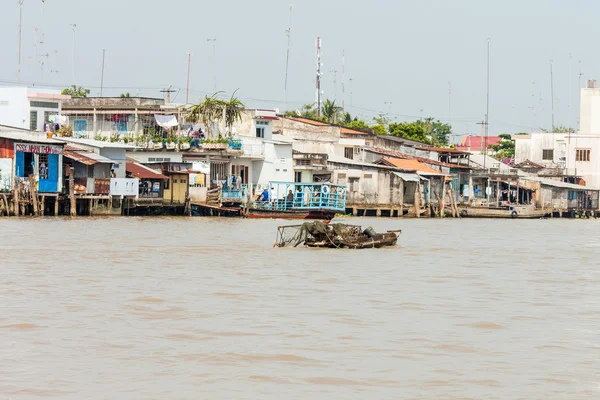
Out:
{"x": 29, "y": 108}
{"x": 576, "y": 155}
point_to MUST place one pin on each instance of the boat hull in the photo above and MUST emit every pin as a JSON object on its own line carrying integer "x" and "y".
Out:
{"x": 513, "y": 213}
{"x": 291, "y": 214}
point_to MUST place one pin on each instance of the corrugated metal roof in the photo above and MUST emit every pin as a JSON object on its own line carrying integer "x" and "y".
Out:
{"x": 411, "y": 165}
{"x": 407, "y": 177}
{"x": 142, "y": 172}
{"x": 29, "y": 137}
{"x": 87, "y": 157}
{"x": 557, "y": 184}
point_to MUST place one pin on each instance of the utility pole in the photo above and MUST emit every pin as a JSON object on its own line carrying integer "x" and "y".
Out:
{"x": 318, "y": 77}
{"x": 481, "y": 146}
{"x": 389, "y": 104}
{"x": 20, "y": 30}
{"x": 168, "y": 92}
{"x": 569, "y": 117}
{"x": 288, "y": 32}
{"x": 187, "y": 89}
{"x": 334, "y": 72}
{"x": 214, "y": 60}
{"x": 552, "y": 93}
{"x": 102, "y": 76}
{"x": 73, "y": 26}
{"x": 579, "y": 89}
{"x": 487, "y": 108}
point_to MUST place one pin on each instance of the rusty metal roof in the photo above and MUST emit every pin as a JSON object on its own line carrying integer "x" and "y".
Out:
{"x": 87, "y": 157}
{"x": 142, "y": 172}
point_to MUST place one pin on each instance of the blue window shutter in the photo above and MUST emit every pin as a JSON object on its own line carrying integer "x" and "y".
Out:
{"x": 20, "y": 165}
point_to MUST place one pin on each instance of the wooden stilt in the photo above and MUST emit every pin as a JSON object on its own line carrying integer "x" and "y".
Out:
{"x": 73, "y": 211}
{"x": 441, "y": 208}
{"x": 91, "y": 206}
{"x": 418, "y": 201}
{"x": 43, "y": 206}
{"x": 443, "y": 203}
{"x": 56, "y": 206}
{"x": 34, "y": 195}
{"x": 16, "y": 197}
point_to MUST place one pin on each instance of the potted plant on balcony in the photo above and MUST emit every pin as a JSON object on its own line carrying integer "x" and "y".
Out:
{"x": 171, "y": 143}
{"x": 215, "y": 144}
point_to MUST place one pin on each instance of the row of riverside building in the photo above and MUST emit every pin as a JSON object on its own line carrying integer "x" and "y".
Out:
{"x": 132, "y": 156}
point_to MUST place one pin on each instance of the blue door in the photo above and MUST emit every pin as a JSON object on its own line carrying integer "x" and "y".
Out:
{"x": 20, "y": 165}
{"x": 50, "y": 185}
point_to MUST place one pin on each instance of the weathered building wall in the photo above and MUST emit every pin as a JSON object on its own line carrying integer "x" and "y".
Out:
{"x": 369, "y": 187}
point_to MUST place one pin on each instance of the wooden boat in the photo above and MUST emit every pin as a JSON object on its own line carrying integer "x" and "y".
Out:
{"x": 512, "y": 211}
{"x": 319, "y": 234}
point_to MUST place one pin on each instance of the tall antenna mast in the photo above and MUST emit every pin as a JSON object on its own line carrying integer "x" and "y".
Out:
{"x": 73, "y": 26}
{"x": 569, "y": 118}
{"x": 487, "y": 107}
{"x": 287, "y": 57}
{"x": 449, "y": 99}
{"x": 552, "y": 93}
{"x": 343, "y": 78}
{"x": 20, "y": 29}
{"x": 187, "y": 88}
{"x": 102, "y": 76}
{"x": 334, "y": 71}
{"x": 318, "y": 76}
{"x": 579, "y": 89}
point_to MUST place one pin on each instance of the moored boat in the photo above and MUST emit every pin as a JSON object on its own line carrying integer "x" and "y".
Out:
{"x": 511, "y": 211}
{"x": 289, "y": 200}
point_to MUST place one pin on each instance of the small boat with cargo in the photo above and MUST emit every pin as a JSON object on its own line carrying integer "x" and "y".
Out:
{"x": 319, "y": 234}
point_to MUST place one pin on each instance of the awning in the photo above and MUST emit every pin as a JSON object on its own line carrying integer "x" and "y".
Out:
{"x": 407, "y": 177}
{"x": 142, "y": 172}
{"x": 87, "y": 157}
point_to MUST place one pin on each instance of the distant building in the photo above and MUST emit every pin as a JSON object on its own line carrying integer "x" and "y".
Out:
{"x": 29, "y": 108}
{"x": 477, "y": 144}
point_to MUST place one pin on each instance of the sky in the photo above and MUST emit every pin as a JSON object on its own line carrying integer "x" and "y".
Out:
{"x": 409, "y": 59}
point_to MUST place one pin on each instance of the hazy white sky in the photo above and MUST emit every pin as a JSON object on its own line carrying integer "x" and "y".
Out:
{"x": 399, "y": 52}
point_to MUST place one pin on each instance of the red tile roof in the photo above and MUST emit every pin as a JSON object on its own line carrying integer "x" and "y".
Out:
{"x": 396, "y": 154}
{"x": 473, "y": 143}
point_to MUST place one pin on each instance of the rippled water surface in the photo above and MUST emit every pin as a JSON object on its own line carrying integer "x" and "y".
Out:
{"x": 130, "y": 308}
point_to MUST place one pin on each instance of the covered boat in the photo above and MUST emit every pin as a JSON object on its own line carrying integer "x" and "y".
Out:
{"x": 289, "y": 200}
{"x": 319, "y": 234}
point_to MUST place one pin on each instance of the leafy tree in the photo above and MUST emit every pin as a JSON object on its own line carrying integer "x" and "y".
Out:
{"x": 505, "y": 148}
{"x": 125, "y": 95}
{"x": 410, "y": 130}
{"x": 379, "y": 130}
{"x": 358, "y": 124}
{"x": 306, "y": 111}
{"x": 76, "y": 92}
{"x": 381, "y": 119}
{"x": 437, "y": 131}
{"x": 559, "y": 129}
{"x": 347, "y": 119}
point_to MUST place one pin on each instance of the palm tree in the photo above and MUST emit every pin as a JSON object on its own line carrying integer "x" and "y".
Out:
{"x": 330, "y": 111}
{"x": 212, "y": 109}
{"x": 233, "y": 111}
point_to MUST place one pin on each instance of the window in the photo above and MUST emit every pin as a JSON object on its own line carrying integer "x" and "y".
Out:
{"x": 90, "y": 171}
{"x": 304, "y": 163}
{"x": 368, "y": 176}
{"x": 43, "y": 104}
{"x": 167, "y": 184}
{"x": 298, "y": 177}
{"x": 572, "y": 195}
{"x": 33, "y": 120}
{"x": 341, "y": 179}
{"x": 260, "y": 128}
{"x": 349, "y": 152}
{"x": 80, "y": 125}
{"x": 43, "y": 166}
{"x": 582, "y": 155}
{"x": 353, "y": 184}
{"x": 548, "y": 154}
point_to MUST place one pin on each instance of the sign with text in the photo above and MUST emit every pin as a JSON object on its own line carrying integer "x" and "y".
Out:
{"x": 38, "y": 148}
